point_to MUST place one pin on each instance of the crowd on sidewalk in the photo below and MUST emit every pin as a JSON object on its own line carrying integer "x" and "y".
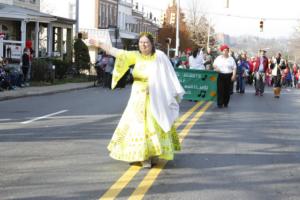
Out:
{"x": 12, "y": 76}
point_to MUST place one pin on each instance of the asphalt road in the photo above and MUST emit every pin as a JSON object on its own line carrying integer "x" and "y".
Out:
{"x": 54, "y": 147}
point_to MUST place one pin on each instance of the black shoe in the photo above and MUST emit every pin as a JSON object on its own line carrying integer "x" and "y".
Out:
{"x": 135, "y": 164}
{"x": 220, "y": 106}
{"x": 226, "y": 106}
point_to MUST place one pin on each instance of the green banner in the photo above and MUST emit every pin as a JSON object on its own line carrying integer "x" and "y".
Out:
{"x": 198, "y": 84}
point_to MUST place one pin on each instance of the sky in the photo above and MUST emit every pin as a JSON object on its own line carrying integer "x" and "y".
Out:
{"x": 241, "y": 18}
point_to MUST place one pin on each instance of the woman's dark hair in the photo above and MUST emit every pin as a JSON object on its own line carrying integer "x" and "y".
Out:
{"x": 150, "y": 38}
{"x": 195, "y": 53}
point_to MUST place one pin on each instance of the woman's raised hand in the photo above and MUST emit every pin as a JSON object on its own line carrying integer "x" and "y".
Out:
{"x": 93, "y": 42}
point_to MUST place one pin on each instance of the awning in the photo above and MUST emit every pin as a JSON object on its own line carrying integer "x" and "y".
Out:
{"x": 128, "y": 35}
{"x": 19, "y": 13}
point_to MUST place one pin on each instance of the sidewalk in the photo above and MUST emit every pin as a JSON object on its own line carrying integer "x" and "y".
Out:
{"x": 34, "y": 91}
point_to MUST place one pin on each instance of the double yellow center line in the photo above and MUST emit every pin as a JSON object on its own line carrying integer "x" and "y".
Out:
{"x": 149, "y": 179}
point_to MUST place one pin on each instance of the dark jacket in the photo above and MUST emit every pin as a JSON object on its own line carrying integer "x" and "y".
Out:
{"x": 25, "y": 60}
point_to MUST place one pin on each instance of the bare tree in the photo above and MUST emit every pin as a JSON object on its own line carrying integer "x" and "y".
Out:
{"x": 294, "y": 45}
{"x": 198, "y": 24}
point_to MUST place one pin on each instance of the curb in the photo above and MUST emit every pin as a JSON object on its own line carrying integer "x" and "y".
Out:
{"x": 36, "y": 91}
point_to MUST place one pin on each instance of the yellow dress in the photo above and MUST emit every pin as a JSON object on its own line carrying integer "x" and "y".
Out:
{"x": 138, "y": 136}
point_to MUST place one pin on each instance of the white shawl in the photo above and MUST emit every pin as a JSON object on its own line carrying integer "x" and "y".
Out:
{"x": 165, "y": 91}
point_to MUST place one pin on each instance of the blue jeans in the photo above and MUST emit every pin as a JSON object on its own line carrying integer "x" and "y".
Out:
{"x": 240, "y": 87}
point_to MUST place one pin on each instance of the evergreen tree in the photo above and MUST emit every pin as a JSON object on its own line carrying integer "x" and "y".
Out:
{"x": 82, "y": 56}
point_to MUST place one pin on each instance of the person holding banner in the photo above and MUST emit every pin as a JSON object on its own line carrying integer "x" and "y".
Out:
{"x": 146, "y": 129}
{"x": 196, "y": 60}
{"x": 226, "y": 67}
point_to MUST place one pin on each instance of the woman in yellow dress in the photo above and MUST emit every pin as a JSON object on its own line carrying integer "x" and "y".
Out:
{"x": 146, "y": 129}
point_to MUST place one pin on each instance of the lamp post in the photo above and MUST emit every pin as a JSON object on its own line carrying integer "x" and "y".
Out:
{"x": 77, "y": 17}
{"x": 227, "y": 3}
{"x": 208, "y": 34}
{"x": 177, "y": 28}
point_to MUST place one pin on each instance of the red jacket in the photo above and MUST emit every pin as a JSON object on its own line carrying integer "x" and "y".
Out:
{"x": 251, "y": 66}
{"x": 265, "y": 64}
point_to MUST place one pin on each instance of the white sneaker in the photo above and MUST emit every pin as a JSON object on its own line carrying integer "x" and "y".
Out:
{"x": 146, "y": 164}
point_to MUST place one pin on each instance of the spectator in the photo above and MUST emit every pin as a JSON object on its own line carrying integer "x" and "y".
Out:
{"x": 180, "y": 65}
{"x": 108, "y": 72}
{"x": 15, "y": 75}
{"x": 4, "y": 78}
{"x": 25, "y": 65}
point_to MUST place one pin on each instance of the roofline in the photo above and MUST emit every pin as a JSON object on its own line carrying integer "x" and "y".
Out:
{"x": 36, "y": 16}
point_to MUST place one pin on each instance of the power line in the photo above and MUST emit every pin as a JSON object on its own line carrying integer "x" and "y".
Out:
{"x": 149, "y": 7}
{"x": 257, "y": 18}
{"x": 246, "y": 17}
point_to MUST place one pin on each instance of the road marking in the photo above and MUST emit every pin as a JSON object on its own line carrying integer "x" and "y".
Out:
{"x": 149, "y": 179}
{"x": 187, "y": 114}
{"x": 43, "y": 117}
{"x": 121, "y": 183}
{"x": 191, "y": 123}
{"x": 5, "y": 120}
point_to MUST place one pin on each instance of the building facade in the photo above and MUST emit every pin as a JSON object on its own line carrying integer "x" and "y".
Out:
{"x": 118, "y": 22}
{"x": 107, "y": 13}
{"x": 22, "y": 27}
{"x": 30, "y": 4}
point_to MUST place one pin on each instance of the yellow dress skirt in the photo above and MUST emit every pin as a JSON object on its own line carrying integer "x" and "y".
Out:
{"x": 138, "y": 136}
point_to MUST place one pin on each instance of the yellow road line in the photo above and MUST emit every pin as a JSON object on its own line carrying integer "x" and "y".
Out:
{"x": 188, "y": 113}
{"x": 187, "y": 128}
{"x": 149, "y": 179}
{"x": 117, "y": 187}
{"x": 121, "y": 183}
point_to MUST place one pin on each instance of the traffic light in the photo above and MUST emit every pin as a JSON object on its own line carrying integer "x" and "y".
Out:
{"x": 173, "y": 18}
{"x": 261, "y": 25}
{"x": 168, "y": 40}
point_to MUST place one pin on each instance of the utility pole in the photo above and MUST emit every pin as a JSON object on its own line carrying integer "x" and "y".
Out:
{"x": 208, "y": 35}
{"x": 227, "y": 4}
{"x": 177, "y": 28}
{"x": 117, "y": 25}
{"x": 77, "y": 17}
